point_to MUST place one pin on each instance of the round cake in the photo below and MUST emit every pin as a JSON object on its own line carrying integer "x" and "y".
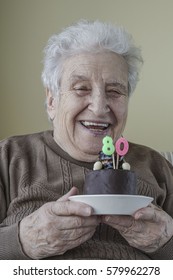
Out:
{"x": 110, "y": 181}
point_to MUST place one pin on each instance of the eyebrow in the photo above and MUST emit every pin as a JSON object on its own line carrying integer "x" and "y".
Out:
{"x": 79, "y": 77}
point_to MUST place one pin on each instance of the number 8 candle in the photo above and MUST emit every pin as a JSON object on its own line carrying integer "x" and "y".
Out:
{"x": 108, "y": 148}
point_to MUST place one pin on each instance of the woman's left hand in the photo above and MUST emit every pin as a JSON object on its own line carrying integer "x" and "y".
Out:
{"x": 147, "y": 230}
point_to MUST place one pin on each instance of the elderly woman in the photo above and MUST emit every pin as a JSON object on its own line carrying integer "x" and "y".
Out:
{"x": 90, "y": 71}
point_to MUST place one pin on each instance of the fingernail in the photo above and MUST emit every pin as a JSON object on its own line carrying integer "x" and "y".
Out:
{"x": 88, "y": 211}
{"x": 137, "y": 216}
{"x": 107, "y": 218}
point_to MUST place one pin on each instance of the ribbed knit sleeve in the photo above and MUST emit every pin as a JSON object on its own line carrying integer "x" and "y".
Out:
{"x": 164, "y": 253}
{"x": 10, "y": 247}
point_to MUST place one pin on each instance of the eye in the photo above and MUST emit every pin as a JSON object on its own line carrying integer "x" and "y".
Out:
{"x": 114, "y": 93}
{"x": 82, "y": 90}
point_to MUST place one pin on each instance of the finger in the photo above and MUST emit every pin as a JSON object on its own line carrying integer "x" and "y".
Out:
{"x": 73, "y": 234}
{"x": 68, "y": 208}
{"x": 150, "y": 213}
{"x": 126, "y": 225}
{"x": 75, "y": 222}
{"x": 119, "y": 220}
{"x": 68, "y": 245}
{"x": 73, "y": 191}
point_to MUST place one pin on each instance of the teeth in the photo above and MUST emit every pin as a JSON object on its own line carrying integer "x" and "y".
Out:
{"x": 95, "y": 124}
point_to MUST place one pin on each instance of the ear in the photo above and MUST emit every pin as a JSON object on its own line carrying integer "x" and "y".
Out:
{"x": 51, "y": 104}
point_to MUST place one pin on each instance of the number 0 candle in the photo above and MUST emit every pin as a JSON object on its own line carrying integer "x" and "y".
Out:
{"x": 122, "y": 146}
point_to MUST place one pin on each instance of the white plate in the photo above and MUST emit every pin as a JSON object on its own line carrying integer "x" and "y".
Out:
{"x": 113, "y": 204}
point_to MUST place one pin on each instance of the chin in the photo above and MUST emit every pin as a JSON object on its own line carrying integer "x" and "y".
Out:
{"x": 92, "y": 150}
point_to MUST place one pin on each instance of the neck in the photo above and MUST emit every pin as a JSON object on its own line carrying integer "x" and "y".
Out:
{"x": 77, "y": 155}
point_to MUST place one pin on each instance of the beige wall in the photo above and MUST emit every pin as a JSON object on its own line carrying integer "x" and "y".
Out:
{"x": 25, "y": 26}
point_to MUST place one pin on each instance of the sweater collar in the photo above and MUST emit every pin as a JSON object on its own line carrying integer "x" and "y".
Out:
{"x": 48, "y": 138}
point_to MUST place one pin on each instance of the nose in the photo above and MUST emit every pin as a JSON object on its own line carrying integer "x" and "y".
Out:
{"x": 98, "y": 103}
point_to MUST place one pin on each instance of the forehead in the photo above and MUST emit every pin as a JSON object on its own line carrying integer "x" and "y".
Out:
{"x": 105, "y": 66}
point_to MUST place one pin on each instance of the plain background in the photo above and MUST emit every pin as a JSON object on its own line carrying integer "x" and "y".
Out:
{"x": 26, "y": 25}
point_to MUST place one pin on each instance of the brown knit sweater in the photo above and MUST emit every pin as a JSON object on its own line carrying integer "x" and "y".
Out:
{"x": 34, "y": 170}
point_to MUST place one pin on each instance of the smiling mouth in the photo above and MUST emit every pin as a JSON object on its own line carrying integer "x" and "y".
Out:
{"x": 95, "y": 126}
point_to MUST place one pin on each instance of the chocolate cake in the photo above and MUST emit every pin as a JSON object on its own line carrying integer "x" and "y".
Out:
{"x": 111, "y": 173}
{"x": 110, "y": 181}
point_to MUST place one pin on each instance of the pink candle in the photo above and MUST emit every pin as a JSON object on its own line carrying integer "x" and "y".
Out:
{"x": 122, "y": 146}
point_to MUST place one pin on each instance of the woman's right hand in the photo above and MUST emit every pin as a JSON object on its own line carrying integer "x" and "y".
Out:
{"x": 57, "y": 227}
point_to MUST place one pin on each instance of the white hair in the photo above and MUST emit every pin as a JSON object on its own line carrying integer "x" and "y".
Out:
{"x": 92, "y": 37}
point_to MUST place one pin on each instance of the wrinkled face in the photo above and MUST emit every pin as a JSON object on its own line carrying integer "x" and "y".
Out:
{"x": 93, "y": 103}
